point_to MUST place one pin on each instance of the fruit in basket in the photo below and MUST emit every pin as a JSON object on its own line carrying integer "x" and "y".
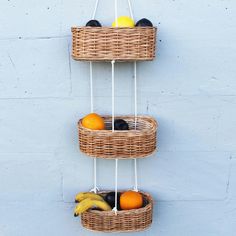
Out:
{"x": 145, "y": 202}
{"x": 93, "y": 121}
{"x": 94, "y": 23}
{"x": 144, "y": 23}
{"x": 131, "y": 200}
{"x": 123, "y": 21}
{"x": 110, "y": 199}
{"x": 120, "y": 124}
{"x": 88, "y": 203}
{"x": 81, "y": 196}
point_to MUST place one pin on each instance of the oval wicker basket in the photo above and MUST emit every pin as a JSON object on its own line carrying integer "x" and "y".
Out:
{"x": 132, "y": 143}
{"x": 107, "y": 43}
{"x": 125, "y": 221}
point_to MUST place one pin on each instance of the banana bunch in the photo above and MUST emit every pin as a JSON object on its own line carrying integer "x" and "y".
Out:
{"x": 81, "y": 196}
{"x": 89, "y": 200}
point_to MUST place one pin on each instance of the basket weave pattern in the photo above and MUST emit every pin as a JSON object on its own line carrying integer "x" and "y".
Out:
{"x": 107, "y": 43}
{"x": 120, "y": 144}
{"x": 124, "y": 221}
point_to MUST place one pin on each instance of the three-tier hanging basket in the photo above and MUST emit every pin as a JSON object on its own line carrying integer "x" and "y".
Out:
{"x": 108, "y": 43}
{"x": 124, "y": 221}
{"x": 133, "y": 143}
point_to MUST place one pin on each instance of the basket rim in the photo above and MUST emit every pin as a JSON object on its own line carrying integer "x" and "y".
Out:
{"x": 155, "y": 125}
{"x": 110, "y": 27}
{"x": 124, "y": 212}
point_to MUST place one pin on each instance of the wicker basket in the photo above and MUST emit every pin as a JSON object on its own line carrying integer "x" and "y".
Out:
{"x": 107, "y": 43}
{"x": 124, "y": 221}
{"x": 120, "y": 144}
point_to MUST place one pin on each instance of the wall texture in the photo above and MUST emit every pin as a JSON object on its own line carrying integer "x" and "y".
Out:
{"x": 190, "y": 89}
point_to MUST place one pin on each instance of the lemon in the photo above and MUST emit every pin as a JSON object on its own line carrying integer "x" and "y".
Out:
{"x": 124, "y": 21}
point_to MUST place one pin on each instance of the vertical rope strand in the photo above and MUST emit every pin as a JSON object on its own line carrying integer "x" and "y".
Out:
{"x": 95, "y": 188}
{"x": 95, "y": 9}
{"x": 135, "y": 176}
{"x": 135, "y": 95}
{"x": 116, "y": 186}
{"x": 91, "y": 86}
{"x": 113, "y": 129}
{"x": 130, "y": 10}
{"x": 95, "y": 174}
{"x": 116, "y": 13}
{"x": 113, "y": 94}
{"x": 135, "y": 124}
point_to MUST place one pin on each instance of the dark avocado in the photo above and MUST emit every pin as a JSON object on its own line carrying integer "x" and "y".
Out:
{"x": 93, "y": 23}
{"x": 121, "y": 125}
{"x": 145, "y": 202}
{"x": 144, "y": 23}
{"x": 110, "y": 199}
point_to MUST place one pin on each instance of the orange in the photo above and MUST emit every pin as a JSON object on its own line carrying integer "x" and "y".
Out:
{"x": 131, "y": 200}
{"x": 93, "y": 121}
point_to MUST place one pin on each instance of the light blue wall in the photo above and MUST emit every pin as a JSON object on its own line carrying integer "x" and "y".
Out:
{"x": 190, "y": 89}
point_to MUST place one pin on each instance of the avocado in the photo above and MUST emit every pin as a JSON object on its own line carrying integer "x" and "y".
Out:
{"x": 121, "y": 125}
{"x": 110, "y": 199}
{"x": 144, "y": 23}
{"x": 93, "y": 23}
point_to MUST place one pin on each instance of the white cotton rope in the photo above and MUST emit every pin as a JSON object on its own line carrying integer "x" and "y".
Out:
{"x": 135, "y": 106}
{"x": 116, "y": 187}
{"x": 135, "y": 176}
{"x": 130, "y": 9}
{"x": 113, "y": 93}
{"x": 135, "y": 95}
{"x": 95, "y": 188}
{"x": 91, "y": 85}
{"x": 135, "y": 124}
{"x": 116, "y": 13}
{"x": 95, "y": 9}
{"x": 113, "y": 128}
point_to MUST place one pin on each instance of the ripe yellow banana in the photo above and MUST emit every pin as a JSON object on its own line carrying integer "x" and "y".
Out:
{"x": 81, "y": 196}
{"x": 90, "y": 203}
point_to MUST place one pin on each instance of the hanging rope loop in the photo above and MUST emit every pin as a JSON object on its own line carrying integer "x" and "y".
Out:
{"x": 130, "y": 11}
{"x": 116, "y": 10}
{"x": 95, "y": 189}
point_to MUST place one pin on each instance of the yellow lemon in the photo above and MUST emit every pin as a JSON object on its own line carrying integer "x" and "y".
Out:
{"x": 124, "y": 21}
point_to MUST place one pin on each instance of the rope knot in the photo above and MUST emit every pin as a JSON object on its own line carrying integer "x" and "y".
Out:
{"x": 115, "y": 210}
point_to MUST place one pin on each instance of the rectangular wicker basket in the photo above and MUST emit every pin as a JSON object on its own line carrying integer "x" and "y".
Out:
{"x": 133, "y": 143}
{"x": 108, "y": 43}
{"x": 125, "y": 221}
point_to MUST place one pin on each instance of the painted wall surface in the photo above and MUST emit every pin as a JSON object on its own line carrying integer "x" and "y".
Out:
{"x": 190, "y": 89}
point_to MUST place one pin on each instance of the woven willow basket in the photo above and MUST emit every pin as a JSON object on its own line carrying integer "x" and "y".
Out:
{"x": 120, "y": 144}
{"x": 124, "y": 221}
{"x": 107, "y": 43}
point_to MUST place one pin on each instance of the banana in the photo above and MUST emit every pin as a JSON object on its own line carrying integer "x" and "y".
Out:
{"x": 81, "y": 196}
{"x": 90, "y": 203}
